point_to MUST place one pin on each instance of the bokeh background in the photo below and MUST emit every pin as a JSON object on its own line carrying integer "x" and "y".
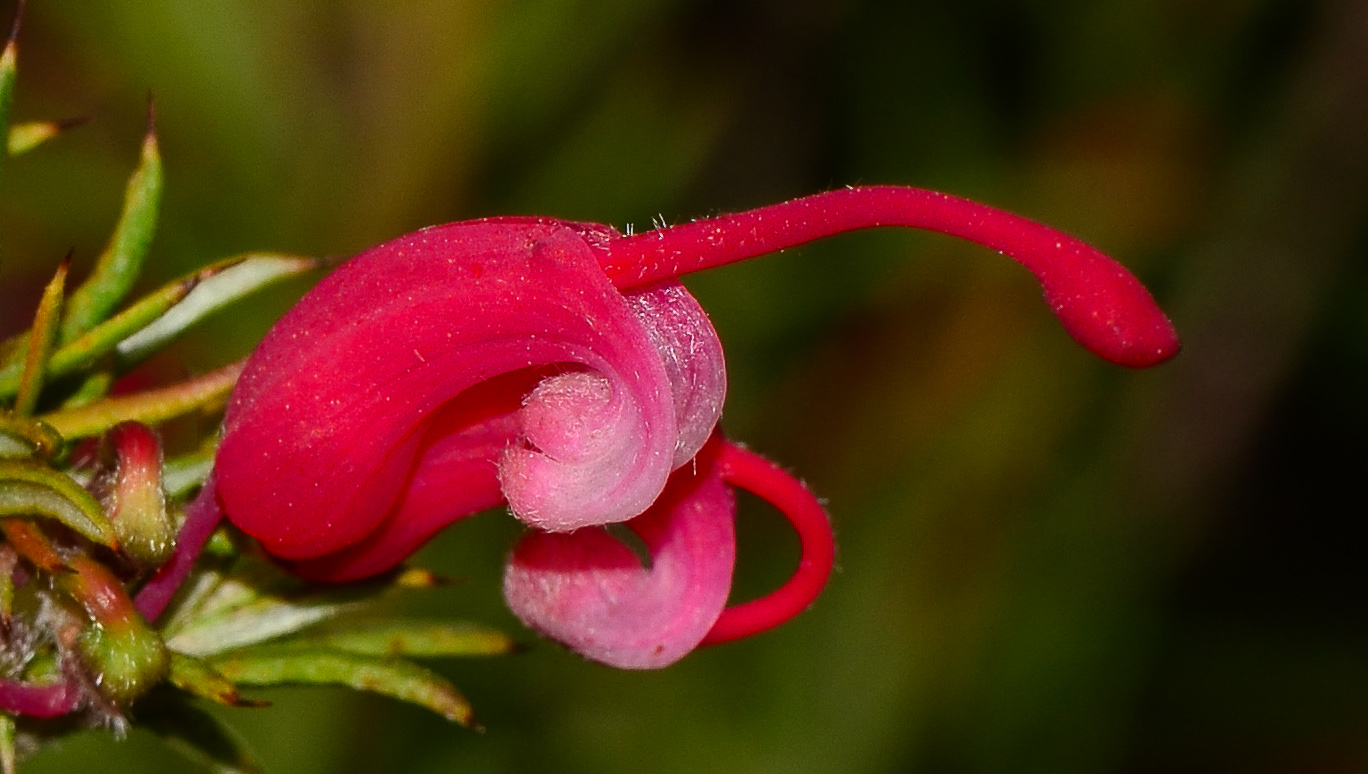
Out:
{"x": 1047, "y": 563}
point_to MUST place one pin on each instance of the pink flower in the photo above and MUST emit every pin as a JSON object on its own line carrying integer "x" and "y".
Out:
{"x": 561, "y": 369}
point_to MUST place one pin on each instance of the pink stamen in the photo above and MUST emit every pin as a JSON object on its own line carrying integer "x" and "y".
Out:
{"x": 746, "y": 469}
{"x": 1101, "y": 304}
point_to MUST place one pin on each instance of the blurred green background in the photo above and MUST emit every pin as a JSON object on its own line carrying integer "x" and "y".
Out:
{"x": 1047, "y": 563}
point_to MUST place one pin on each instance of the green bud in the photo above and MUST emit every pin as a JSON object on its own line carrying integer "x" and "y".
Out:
{"x": 124, "y": 661}
{"x": 133, "y": 495}
{"x": 124, "y": 655}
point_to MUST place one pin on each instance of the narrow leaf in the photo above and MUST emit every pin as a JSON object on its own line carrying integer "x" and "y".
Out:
{"x": 9, "y": 562}
{"x": 219, "y": 285}
{"x": 203, "y": 393}
{"x": 155, "y": 319}
{"x": 403, "y": 680}
{"x": 265, "y": 604}
{"x": 44, "y": 335}
{"x": 26, "y": 436}
{"x": 86, "y": 349}
{"x": 29, "y": 135}
{"x": 196, "y": 677}
{"x": 187, "y": 471}
{"x": 118, "y": 266}
{"x": 256, "y": 622}
{"x": 31, "y": 489}
{"x": 413, "y": 638}
{"x": 9, "y": 72}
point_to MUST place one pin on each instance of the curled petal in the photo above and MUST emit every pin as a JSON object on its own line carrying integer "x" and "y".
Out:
{"x": 458, "y": 470}
{"x": 589, "y": 591}
{"x": 579, "y": 432}
{"x": 456, "y": 475}
{"x": 354, "y": 409}
{"x": 693, "y": 358}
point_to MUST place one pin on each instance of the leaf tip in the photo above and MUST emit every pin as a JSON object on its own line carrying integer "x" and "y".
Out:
{"x": 150, "y": 135}
{"x": 12, "y": 44}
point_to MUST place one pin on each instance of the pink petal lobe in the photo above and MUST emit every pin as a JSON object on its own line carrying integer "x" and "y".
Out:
{"x": 589, "y": 591}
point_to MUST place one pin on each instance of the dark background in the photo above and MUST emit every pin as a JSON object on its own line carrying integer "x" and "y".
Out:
{"x": 1047, "y": 563}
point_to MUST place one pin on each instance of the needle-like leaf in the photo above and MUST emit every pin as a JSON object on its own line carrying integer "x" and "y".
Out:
{"x": 274, "y": 665}
{"x": 216, "y": 286}
{"x": 41, "y": 341}
{"x": 9, "y": 72}
{"x": 195, "y": 676}
{"x": 30, "y": 134}
{"x": 118, "y": 266}
{"x": 26, "y": 437}
{"x": 203, "y": 393}
{"x": 431, "y": 639}
{"x": 31, "y": 489}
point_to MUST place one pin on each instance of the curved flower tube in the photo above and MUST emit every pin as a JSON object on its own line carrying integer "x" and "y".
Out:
{"x": 561, "y": 369}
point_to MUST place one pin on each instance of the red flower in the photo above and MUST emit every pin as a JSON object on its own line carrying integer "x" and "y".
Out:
{"x": 562, "y": 369}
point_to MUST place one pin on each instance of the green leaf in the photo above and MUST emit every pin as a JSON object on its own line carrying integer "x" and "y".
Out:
{"x": 196, "y": 677}
{"x": 432, "y": 639}
{"x": 26, "y": 437}
{"x": 9, "y": 72}
{"x": 29, "y": 135}
{"x": 9, "y": 562}
{"x": 118, "y": 266}
{"x": 204, "y": 393}
{"x": 85, "y": 350}
{"x": 218, "y": 286}
{"x": 185, "y": 472}
{"x": 31, "y": 489}
{"x": 44, "y": 335}
{"x": 278, "y": 665}
{"x": 245, "y": 611}
{"x": 93, "y": 386}
{"x": 198, "y": 735}
{"x": 259, "y": 602}
{"x": 157, "y": 318}
{"x": 260, "y": 621}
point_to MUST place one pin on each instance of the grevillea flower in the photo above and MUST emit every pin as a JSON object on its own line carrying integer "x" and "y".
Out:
{"x": 561, "y": 369}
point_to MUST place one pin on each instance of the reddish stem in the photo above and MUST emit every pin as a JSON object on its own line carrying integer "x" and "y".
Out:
{"x": 1101, "y": 304}
{"x": 39, "y": 701}
{"x": 748, "y": 470}
{"x": 202, "y": 517}
{"x": 29, "y": 541}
